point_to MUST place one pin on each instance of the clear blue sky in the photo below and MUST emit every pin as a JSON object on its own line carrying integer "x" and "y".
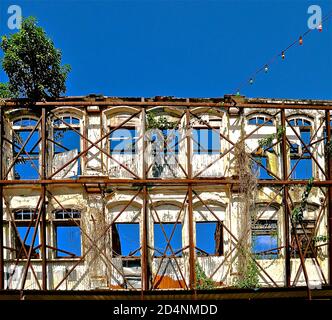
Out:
{"x": 185, "y": 48}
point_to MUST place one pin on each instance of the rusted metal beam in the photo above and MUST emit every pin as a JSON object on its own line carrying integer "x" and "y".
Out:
{"x": 145, "y": 256}
{"x": 155, "y": 182}
{"x": 145, "y": 259}
{"x": 329, "y": 205}
{"x": 43, "y": 221}
{"x": 2, "y": 266}
{"x": 285, "y": 200}
{"x": 192, "y": 274}
{"x": 318, "y": 105}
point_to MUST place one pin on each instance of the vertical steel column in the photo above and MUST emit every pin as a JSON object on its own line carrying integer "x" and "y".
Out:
{"x": 328, "y": 158}
{"x": 145, "y": 259}
{"x": 285, "y": 199}
{"x": 43, "y": 204}
{"x": 2, "y": 278}
{"x": 192, "y": 275}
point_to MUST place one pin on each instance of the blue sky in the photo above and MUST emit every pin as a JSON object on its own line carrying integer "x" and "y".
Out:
{"x": 185, "y": 48}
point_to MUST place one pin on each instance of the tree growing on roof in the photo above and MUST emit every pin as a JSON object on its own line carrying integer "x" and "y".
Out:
{"x": 5, "y": 91}
{"x": 33, "y": 64}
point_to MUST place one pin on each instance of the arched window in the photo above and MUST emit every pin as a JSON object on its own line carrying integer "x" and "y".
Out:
{"x": 66, "y": 145}
{"x": 300, "y": 159}
{"x": 260, "y": 119}
{"x": 26, "y": 151}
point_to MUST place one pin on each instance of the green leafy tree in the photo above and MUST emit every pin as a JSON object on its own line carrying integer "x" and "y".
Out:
{"x": 5, "y": 91}
{"x": 32, "y": 63}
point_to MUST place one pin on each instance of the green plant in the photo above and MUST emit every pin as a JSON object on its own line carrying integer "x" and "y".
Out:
{"x": 267, "y": 142}
{"x": 203, "y": 282}
{"x": 5, "y": 91}
{"x": 32, "y": 63}
{"x": 297, "y": 212}
{"x": 155, "y": 121}
{"x": 321, "y": 238}
{"x": 249, "y": 278}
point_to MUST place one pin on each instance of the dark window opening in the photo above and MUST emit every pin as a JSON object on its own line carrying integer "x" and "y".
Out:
{"x": 209, "y": 238}
{"x": 160, "y": 241}
{"x": 206, "y": 141}
{"x": 265, "y": 239}
{"x": 126, "y": 239}
{"x": 304, "y": 233}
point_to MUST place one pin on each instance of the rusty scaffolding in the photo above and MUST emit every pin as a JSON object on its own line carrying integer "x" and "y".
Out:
{"x": 140, "y": 184}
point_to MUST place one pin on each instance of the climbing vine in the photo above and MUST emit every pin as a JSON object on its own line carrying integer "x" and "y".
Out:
{"x": 297, "y": 213}
{"x": 203, "y": 282}
{"x": 249, "y": 276}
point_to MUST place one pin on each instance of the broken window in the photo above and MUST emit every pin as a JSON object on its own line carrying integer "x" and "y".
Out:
{"x": 206, "y": 141}
{"x": 66, "y": 145}
{"x": 173, "y": 232}
{"x": 265, "y": 239}
{"x": 26, "y": 166}
{"x": 304, "y": 233}
{"x": 25, "y": 220}
{"x": 209, "y": 238}
{"x": 164, "y": 152}
{"x": 123, "y": 141}
{"x": 299, "y": 155}
{"x": 126, "y": 239}
{"x": 265, "y": 162}
{"x": 260, "y": 119}
{"x": 67, "y": 233}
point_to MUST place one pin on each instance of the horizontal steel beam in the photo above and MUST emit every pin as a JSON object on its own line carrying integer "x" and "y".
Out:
{"x": 216, "y": 294}
{"x": 105, "y": 181}
{"x": 146, "y": 104}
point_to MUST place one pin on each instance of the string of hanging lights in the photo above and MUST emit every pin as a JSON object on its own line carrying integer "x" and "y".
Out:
{"x": 266, "y": 66}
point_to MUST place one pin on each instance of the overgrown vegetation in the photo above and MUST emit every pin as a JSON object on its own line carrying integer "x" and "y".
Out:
{"x": 298, "y": 211}
{"x": 268, "y": 141}
{"x": 155, "y": 121}
{"x": 248, "y": 275}
{"x": 5, "y": 91}
{"x": 33, "y": 64}
{"x": 203, "y": 282}
{"x": 321, "y": 238}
